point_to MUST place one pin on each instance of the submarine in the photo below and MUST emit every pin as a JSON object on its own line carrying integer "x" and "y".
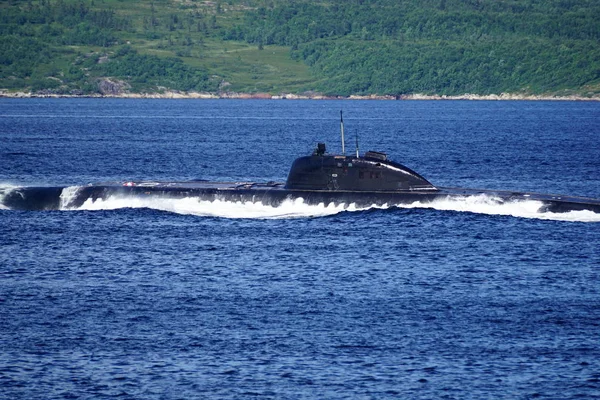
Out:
{"x": 371, "y": 179}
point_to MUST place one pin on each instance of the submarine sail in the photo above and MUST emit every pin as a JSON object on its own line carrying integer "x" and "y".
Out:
{"x": 371, "y": 173}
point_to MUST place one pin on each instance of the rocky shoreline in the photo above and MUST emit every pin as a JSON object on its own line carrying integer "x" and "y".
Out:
{"x": 292, "y": 96}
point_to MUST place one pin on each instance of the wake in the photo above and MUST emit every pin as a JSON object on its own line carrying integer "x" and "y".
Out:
{"x": 219, "y": 208}
{"x": 484, "y": 204}
{"x": 5, "y": 189}
{"x": 297, "y": 208}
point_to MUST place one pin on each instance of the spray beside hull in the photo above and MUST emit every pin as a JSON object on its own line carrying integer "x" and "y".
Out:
{"x": 273, "y": 194}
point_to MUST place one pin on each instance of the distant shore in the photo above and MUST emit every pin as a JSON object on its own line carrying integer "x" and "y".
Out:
{"x": 291, "y": 96}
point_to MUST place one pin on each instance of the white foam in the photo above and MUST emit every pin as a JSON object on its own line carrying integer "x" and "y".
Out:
{"x": 67, "y": 195}
{"x": 484, "y": 204}
{"x": 5, "y": 188}
{"x": 218, "y": 208}
{"x": 480, "y": 204}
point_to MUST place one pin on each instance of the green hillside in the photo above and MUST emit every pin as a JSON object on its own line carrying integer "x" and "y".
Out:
{"x": 383, "y": 47}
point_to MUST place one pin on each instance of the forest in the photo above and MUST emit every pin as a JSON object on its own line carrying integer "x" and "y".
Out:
{"x": 337, "y": 48}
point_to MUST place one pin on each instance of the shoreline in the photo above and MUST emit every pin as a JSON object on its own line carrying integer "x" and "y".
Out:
{"x": 291, "y": 96}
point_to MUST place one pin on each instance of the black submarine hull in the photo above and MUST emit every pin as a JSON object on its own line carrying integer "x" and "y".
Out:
{"x": 272, "y": 194}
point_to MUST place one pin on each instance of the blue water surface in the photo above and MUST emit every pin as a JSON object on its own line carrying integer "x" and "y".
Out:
{"x": 144, "y": 303}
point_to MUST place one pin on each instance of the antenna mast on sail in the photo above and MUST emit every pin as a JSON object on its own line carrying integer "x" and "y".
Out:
{"x": 357, "y": 156}
{"x": 342, "y": 129}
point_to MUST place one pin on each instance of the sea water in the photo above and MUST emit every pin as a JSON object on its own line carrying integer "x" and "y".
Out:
{"x": 182, "y": 298}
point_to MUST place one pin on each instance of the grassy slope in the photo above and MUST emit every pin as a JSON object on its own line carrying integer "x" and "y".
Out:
{"x": 195, "y": 39}
{"x": 241, "y": 66}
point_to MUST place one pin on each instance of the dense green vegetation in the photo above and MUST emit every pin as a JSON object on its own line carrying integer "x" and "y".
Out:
{"x": 437, "y": 46}
{"x": 338, "y": 47}
{"x": 66, "y": 47}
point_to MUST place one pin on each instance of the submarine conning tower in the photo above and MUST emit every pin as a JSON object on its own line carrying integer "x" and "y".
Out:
{"x": 372, "y": 172}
